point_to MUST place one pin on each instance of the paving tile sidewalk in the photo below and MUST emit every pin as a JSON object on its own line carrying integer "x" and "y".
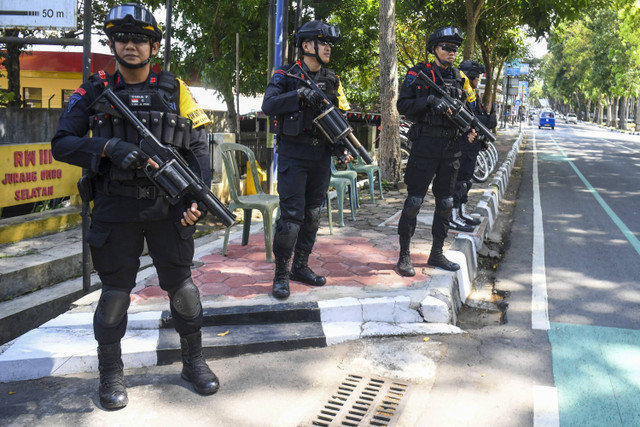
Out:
{"x": 362, "y": 254}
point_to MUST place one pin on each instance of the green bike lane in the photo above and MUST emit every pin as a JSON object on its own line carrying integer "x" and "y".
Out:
{"x": 594, "y": 333}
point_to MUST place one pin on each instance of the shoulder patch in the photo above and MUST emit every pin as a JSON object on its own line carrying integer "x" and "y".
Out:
{"x": 278, "y": 75}
{"x": 75, "y": 97}
{"x": 73, "y": 100}
{"x": 411, "y": 76}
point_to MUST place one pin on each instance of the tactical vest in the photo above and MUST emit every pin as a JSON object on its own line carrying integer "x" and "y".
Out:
{"x": 301, "y": 121}
{"x": 156, "y": 103}
{"x": 452, "y": 84}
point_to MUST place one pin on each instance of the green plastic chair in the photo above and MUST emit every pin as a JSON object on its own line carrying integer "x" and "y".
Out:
{"x": 359, "y": 166}
{"x": 352, "y": 176}
{"x": 340, "y": 185}
{"x": 267, "y": 204}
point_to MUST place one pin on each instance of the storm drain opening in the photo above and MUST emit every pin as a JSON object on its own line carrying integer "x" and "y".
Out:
{"x": 361, "y": 401}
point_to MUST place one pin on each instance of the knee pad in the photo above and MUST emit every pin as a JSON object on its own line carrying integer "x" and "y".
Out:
{"x": 112, "y": 307}
{"x": 444, "y": 205}
{"x": 461, "y": 187}
{"x": 312, "y": 217}
{"x": 412, "y": 206}
{"x": 286, "y": 234}
{"x": 185, "y": 300}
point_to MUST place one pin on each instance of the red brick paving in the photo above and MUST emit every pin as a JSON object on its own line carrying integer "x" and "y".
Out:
{"x": 244, "y": 273}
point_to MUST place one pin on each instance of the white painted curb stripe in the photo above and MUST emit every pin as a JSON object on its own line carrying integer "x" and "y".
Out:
{"x": 464, "y": 281}
{"x": 545, "y": 406}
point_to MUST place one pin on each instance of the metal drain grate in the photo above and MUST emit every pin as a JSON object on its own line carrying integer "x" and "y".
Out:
{"x": 364, "y": 402}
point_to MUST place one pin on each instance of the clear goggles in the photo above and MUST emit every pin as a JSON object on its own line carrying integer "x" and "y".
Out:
{"x": 448, "y": 32}
{"x": 137, "y": 12}
{"x": 330, "y": 32}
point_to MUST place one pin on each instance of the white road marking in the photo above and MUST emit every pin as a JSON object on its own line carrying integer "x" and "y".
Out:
{"x": 539, "y": 304}
{"x": 545, "y": 406}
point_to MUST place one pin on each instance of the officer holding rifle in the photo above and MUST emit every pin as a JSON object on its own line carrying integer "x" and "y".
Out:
{"x": 435, "y": 149}
{"x": 128, "y": 207}
{"x": 304, "y": 152}
{"x": 459, "y": 219}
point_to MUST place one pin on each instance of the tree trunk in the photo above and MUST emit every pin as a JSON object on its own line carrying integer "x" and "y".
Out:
{"x": 489, "y": 96}
{"x": 473, "y": 9}
{"x": 588, "y": 118}
{"x": 624, "y": 105}
{"x": 12, "y": 65}
{"x": 230, "y": 100}
{"x": 614, "y": 114}
{"x": 637, "y": 115}
{"x": 600, "y": 113}
{"x": 578, "y": 105}
{"x": 389, "y": 158}
{"x": 608, "y": 100}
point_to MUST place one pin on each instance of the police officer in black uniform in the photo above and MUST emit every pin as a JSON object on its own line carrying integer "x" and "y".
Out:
{"x": 459, "y": 219}
{"x": 304, "y": 155}
{"x": 435, "y": 149}
{"x": 128, "y": 209}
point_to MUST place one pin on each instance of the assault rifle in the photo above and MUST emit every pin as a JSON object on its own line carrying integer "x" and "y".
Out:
{"x": 331, "y": 123}
{"x": 460, "y": 114}
{"x": 173, "y": 174}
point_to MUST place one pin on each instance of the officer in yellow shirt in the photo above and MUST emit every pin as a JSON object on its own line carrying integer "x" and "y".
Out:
{"x": 128, "y": 209}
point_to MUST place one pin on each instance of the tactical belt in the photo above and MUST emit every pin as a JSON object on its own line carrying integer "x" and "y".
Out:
{"x": 303, "y": 139}
{"x": 438, "y": 131}
{"x": 134, "y": 191}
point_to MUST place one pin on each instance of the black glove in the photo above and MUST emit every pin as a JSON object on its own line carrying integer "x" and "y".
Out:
{"x": 310, "y": 96}
{"x": 438, "y": 105}
{"x": 124, "y": 154}
{"x": 338, "y": 151}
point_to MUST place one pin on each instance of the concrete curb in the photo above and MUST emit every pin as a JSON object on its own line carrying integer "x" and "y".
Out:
{"x": 446, "y": 299}
{"x": 45, "y": 351}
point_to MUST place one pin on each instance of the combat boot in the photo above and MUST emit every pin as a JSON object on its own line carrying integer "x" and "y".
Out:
{"x": 281, "y": 278}
{"x": 467, "y": 219}
{"x": 456, "y": 223}
{"x": 194, "y": 367}
{"x": 437, "y": 258}
{"x": 404, "y": 261}
{"x": 112, "y": 390}
{"x": 300, "y": 271}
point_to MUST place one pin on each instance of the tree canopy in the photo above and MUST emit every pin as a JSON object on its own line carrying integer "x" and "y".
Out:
{"x": 594, "y": 57}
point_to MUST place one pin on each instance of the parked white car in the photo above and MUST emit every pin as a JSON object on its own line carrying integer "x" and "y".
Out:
{"x": 571, "y": 118}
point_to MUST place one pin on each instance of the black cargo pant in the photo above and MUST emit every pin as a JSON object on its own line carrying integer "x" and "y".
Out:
{"x": 465, "y": 173}
{"x": 418, "y": 175}
{"x": 302, "y": 186}
{"x": 116, "y": 248}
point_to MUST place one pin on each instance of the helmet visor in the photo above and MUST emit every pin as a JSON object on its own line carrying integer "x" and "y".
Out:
{"x": 135, "y": 11}
{"x": 330, "y": 32}
{"x": 449, "y": 32}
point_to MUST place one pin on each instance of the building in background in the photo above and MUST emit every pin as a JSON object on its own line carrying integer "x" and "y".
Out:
{"x": 47, "y": 79}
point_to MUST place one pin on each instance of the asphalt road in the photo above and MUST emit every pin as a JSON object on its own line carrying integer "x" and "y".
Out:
{"x": 586, "y": 206}
{"x": 590, "y": 203}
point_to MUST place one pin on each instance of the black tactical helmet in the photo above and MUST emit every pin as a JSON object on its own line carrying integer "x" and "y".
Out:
{"x": 316, "y": 30}
{"x": 471, "y": 68}
{"x": 446, "y": 34}
{"x": 132, "y": 18}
